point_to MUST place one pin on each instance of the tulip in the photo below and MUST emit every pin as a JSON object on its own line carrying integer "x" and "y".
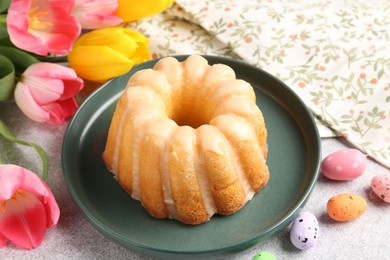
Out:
{"x": 106, "y": 53}
{"x": 27, "y": 207}
{"x": 45, "y": 92}
{"x": 133, "y": 10}
{"x": 95, "y": 14}
{"x": 42, "y": 26}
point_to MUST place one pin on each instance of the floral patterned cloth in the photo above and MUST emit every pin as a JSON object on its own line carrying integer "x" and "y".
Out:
{"x": 334, "y": 54}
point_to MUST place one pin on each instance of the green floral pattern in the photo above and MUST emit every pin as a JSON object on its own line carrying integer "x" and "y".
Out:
{"x": 334, "y": 54}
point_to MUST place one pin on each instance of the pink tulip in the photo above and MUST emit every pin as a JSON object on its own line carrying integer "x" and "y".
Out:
{"x": 42, "y": 26}
{"x": 96, "y": 14}
{"x": 27, "y": 207}
{"x": 45, "y": 92}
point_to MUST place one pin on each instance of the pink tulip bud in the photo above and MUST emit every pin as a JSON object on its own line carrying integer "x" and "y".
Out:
{"x": 45, "y": 92}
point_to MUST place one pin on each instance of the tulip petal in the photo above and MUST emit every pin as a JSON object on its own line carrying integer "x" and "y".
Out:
{"x": 91, "y": 68}
{"x": 97, "y": 21}
{"x": 98, "y": 37}
{"x": 126, "y": 45}
{"x": 73, "y": 86}
{"x": 10, "y": 180}
{"x": 56, "y": 113}
{"x": 23, "y": 220}
{"x": 27, "y": 42}
{"x": 51, "y": 70}
{"x": 25, "y": 101}
{"x": 103, "y": 7}
{"x": 134, "y": 10}
{"x": 64, "y": 30}
{"x": 3, "y": 241}
{"x": 29, "y": 182}
{"x": 56, "y": 43}
{"x": 69, "y": 106}
{"x": 44, "y": 91}
{"x": 95, "y": 14}
{"x": 60, "y": 110}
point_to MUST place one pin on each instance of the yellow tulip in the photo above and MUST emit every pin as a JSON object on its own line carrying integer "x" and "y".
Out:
{"x": 133, "y": 10}
{"x": 107, "y": 53}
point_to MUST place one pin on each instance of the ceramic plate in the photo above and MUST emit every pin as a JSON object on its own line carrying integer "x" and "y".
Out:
{"x": 293, "y": 160}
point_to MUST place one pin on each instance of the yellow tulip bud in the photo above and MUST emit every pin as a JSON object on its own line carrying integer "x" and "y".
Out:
{"x": 133, "y": 10}
{"x": 103, "y": 54}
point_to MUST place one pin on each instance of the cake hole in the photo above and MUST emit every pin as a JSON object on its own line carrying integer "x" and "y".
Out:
{"x": 193, "y": 112}
{"x": 190, "y": 118}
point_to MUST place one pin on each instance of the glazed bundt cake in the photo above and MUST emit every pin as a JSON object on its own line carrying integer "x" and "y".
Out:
{"x": 188, "y": 141}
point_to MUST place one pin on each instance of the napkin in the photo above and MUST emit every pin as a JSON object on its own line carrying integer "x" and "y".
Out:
{"x": 334, "y": 54}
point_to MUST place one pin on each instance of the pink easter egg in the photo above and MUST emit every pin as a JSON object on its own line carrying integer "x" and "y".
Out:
{"x": 380, "y": 184}
{"x": 343, "y": 165}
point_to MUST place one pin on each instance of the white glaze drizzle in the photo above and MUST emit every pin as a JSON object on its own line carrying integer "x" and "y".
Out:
{"x": 229, "y": 88}
{"x": 145, "y": 112}
{"x": 233, "y": 125}
{"x": 115, "y": 156}
{"x": 166, "y": 184}
{"x": 235, "y": 104}
{"x": 173, "y": 72}
{"x": 135, "y": 94}
{"x": 204, "y": 183}
{"x": 217, "y": 74}
{"x": 136, "y": 193}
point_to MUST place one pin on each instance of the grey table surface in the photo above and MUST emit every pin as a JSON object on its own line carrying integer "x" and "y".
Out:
{"x": 367, "y": 237}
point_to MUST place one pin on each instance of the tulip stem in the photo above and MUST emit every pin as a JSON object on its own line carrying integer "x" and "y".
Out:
{"x": 6, "y": 133}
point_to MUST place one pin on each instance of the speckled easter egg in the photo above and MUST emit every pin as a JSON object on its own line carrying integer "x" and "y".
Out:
{"x": 380, "y": 184}
{"x": 264, "y": 255}
{"x": 346, "y": 164}
{"x": 304, "y": 231}
{"x": 346, "y": 207}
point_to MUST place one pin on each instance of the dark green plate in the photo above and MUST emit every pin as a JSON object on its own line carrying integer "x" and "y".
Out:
{"x": 293, "y": 160}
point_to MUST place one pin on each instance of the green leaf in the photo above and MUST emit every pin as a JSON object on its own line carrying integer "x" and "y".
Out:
{"x": 380, "y": 73}
{"x": 375, "y": 110}
{"x": 7, "y": 78}
{"x": 334, "y": 78}
{"x": 3, "y": 31}
{"x": 356, "y": 129}
{"x": 6, "y": 133}
{"x": 21, "y": 60}
{"x": 4, "y": 4}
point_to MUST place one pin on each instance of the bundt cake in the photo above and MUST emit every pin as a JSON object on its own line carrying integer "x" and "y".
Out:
{"x": 188, "y": 141}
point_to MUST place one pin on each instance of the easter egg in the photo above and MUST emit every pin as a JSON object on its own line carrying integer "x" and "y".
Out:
{"x": 380, "y": 184}
{"x": 344, "y": 165}
{"x": 346, "y": 207}
{"x": 264, "y": 255}
{"x": 304, "y": 231}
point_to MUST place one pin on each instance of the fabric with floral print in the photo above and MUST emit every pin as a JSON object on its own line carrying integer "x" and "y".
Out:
{"x": 334, "y": 54}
